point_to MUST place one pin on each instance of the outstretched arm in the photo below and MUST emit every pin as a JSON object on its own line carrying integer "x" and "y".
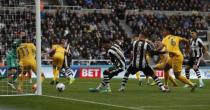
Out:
{"x": 152, "y": 51}
{"x": 187, "y": 43}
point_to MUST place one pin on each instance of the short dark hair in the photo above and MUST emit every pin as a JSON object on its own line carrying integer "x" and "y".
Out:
{"x": 135, "y": 35}
{"x": 168, "y": 29}
{"x": 144, "y": 33}
{"x": 105, "y": 41}
{"x": 56, "y": 40}
{"x": 193, "y": 30}
{"x": 24, "y": 39}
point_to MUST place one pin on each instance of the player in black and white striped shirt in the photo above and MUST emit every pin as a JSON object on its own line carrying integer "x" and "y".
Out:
{"x": 196, "y": 54}
{"x": 139, "y": 63}
{"x": 117, "y": 58}
{"x": 66, "y": 69}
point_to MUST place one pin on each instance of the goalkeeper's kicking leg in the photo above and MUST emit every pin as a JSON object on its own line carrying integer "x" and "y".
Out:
{"x": 12, "y": 75}
{"x": 13, "y": 72}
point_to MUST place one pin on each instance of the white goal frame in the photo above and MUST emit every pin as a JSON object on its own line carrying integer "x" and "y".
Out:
{"x": 38, "y": 46}
{"x": 36, "y": 8}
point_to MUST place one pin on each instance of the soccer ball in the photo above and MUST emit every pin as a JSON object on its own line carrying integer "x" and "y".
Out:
{"x": 60, "y": 87}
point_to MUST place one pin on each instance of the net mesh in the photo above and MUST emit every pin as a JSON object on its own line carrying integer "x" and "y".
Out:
{"x": 17, "y": 22}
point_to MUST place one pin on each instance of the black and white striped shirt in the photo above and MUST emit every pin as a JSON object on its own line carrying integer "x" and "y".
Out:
{"x": 140, "y": 49}
{"x": 67, "y": 59}
{"x": 196, "y": 46}
{"x": 117, "y": 56}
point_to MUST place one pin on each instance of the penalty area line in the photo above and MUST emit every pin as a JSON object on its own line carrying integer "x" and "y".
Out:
{"x": 93, "y": 102}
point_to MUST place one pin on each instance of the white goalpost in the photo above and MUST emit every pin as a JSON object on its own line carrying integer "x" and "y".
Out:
{"x": 38, "y": 46}
{"x": 19, "y": 19}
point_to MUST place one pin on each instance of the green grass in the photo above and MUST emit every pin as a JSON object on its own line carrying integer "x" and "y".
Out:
{"x": 77, "y": 97}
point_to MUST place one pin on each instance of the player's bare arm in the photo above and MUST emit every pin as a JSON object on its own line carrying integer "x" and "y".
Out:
{"x": 187, "y": 44}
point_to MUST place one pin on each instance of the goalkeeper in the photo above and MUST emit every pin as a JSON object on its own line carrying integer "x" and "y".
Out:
{"x": 12, "y": 64}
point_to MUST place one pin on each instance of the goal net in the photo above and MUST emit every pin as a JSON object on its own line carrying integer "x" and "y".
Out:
{"x": 17, "y": 25}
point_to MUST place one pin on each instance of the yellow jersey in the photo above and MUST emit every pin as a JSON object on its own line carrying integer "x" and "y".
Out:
{"x": 26, "y": 51}
{"x": 164, "y": 57}
{"x": 59, "y": 50}
{"x": 171, "y": 43}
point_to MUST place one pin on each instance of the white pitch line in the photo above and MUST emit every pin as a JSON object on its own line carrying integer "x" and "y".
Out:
{"x": 93, "y": 102}
{"x": 17, "y": 95}
{"x": 174, "y": 106}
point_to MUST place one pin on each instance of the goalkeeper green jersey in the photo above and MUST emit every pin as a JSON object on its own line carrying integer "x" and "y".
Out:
{"x": 11, "y": 59}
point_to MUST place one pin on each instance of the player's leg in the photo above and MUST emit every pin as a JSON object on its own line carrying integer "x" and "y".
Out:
{"x": 172, "y": 79}
{"x": 114, "y": 71}
{"x": 13, "y": 72}
{"x": 149, "y": 71}
{"x": 103, "y": 82}
{"x": 59, "y": 66}
{"x": 196, "y": 69}
{"x": 55, "y": 70}
{"x": 169, "y": 77}
{"x": 138, "y": 77}
{"x": 69, "y": 74}
{"x": 10, "y": 74}
{"x": 29, "y": 74}
{"x": 55, "y": 74}
{"x": 185, "y": 80}
{"x": 105, "y": 77}
{"x": 177, "y": 68}
{"x": 187, "y": 73}
{"x": 159, "y": 66}
{"x": 187, "y": 70}
{"x": 66, "y": 71}
{"x": 153, "y": 83}
{"x": 130, "y": 70}
{"x": 33, "y": 68}
{"x": 166, "y": 77}
{"x": 108, "y": 74}
{"x": 147, "y": 79}
{"x": 21, "y": 77}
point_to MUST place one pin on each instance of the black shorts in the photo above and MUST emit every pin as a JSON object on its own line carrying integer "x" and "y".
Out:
{"x": 194, "y": 61}
{"x": 115, "y": 70}
{"x": 68, "y": 60}
{"x": 13, "y": 68}
{"x": 148, "y": 71}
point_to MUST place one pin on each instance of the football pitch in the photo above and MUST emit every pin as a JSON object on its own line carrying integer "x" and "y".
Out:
{"x": 77, "y": 97}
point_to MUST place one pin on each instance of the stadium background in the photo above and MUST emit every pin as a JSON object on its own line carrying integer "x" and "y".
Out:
{"x": 84, "y": 23}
